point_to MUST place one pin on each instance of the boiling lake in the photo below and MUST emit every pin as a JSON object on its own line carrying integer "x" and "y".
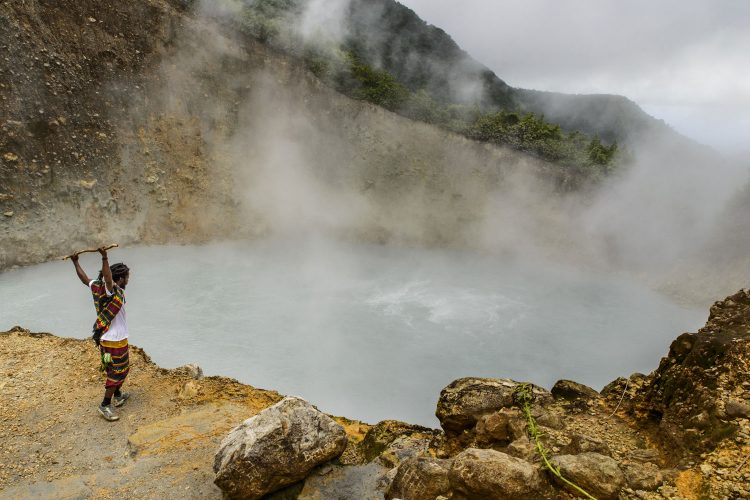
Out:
{"x": 370, "y": 332}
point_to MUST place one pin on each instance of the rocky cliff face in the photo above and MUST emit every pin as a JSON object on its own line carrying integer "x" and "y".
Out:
{"x": 699, "y": 395}
{"x": 137, "y": 123}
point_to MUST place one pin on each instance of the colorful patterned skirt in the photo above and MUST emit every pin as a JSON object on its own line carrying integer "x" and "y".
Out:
{"x": 118, "y": 369}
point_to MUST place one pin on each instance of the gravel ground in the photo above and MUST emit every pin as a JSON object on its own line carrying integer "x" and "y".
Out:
{"x": 54, "y": 444}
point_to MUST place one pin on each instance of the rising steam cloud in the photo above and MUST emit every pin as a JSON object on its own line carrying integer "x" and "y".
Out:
{"x": 307, "y": 160}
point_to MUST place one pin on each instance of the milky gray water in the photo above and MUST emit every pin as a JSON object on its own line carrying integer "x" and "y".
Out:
{"x": 364, "y": 331}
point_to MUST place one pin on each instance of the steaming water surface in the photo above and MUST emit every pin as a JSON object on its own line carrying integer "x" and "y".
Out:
{"x": 369, "y": 332}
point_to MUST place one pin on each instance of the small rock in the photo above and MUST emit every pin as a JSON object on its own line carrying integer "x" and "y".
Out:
{"x": 493, "y": 474}
{"x": 681, "y": 346}
{"x": 87, "y": 184}
{"x": 521, "y": 448}
{"x": 598, "y": 474}
{"x": 645, "y": 477}
{"x": 737, "y": 409}
{"x": 581, "y": 443}
{"x": 422, "y": 478}
{"x": 380, "y": 436}
{"x": 359, "y": 481}
{"x": 725, "y": 462}
{"x": 567, "y": 389}
{"x": 551, "y": 421}
{"x": 191, "y": 370}
{"x": 189, "y": 390}
{"x": 9, "y": 213}
{"x": 10, "y": 156}
{"x": 644, "y": 455}
{"x": 404, "y": 447}
{"x": 500, "y": 426}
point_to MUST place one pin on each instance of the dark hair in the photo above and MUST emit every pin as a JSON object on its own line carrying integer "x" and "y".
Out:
{"x": 118, "y": 271}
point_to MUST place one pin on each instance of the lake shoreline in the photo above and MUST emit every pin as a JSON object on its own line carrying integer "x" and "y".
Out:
{"x": 53, "y": 439}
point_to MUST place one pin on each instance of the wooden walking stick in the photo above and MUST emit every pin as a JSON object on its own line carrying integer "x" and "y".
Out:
{"x": 89, "y": 250}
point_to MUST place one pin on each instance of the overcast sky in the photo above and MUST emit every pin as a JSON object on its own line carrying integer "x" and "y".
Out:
{"x": 684, "y": 61}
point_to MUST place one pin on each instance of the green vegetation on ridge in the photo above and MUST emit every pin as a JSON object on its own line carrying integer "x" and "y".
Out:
{"x": 388, "y": 56}
{"x": 525, "y": 132}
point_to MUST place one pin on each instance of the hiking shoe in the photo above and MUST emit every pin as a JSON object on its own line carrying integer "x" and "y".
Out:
{"x": 120, "y": 400}
{"x": 108, "y": 412}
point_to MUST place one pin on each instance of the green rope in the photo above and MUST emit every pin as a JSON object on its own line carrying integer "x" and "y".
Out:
{"x": 524, "y": 399}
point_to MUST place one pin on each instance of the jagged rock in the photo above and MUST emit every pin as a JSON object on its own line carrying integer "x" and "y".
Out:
{"x": 191, "y": 370}
{"x": 646, "y": 477}
{"x": 402, "y": 448}
{"x": 464, "y": 400}
{"x": 189, "y": 390}
{"x": 521, "y": 448}
{"x": 420, "y": 478}
{"x": 581, "y": 443}
{"x": 567, "y": 389}
{"x": 500, "y": 426}
{"x": 687, "y": 393}
{"x": 550, "y": 420}
{"x": 598, "y": 474}
{"x": 736, "y": 409}
{"x": 493, "y": 474}
{"x": 681, "y": 346}
{"x": 382, "y": 434}
{"x": 276, "y": 448}
{"x": 623, "y": 387}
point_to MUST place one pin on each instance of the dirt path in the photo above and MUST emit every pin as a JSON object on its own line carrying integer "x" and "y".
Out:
{"x": 54, "y": 444}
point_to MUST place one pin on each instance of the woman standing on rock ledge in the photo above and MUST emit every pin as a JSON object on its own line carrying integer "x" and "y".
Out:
{"x": 110, "y": 328}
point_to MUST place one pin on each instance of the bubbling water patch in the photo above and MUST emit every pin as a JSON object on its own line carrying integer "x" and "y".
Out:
{"x": 370, "y": 332}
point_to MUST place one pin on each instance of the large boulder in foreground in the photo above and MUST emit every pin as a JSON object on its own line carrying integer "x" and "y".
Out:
{"x": 493, "y": 474}
{"x": 277, "y": 447}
